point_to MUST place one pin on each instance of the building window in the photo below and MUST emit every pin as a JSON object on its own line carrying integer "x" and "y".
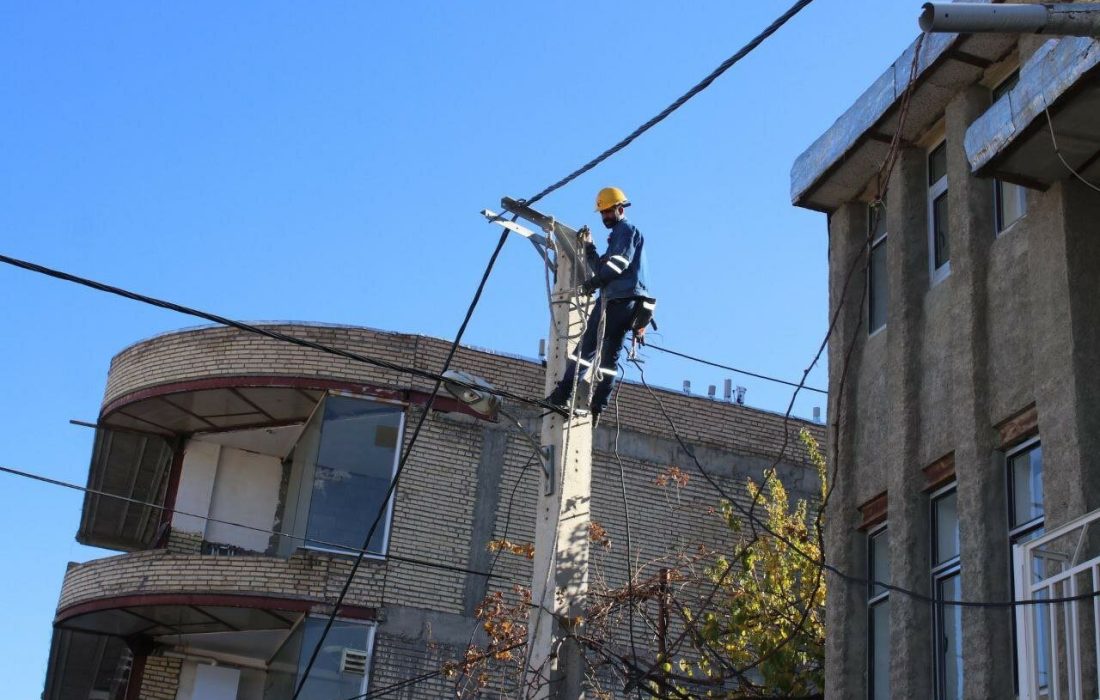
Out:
{"x": 1010, "y": 201}
{"x": 1025, "y": 522}
{"x": 342, "y": 668}
{"x": 878, "y": 615}
{"x": 946, "y": 586}
{"x": 878, "y": 287}
{"x": 939, "y": 254}
{"x": 339, "y": 475}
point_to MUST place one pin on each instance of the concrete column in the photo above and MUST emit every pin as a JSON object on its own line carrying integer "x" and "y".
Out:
{"x": 845, "y": 546}
{"x": 910, "y": 619}
{"x": 987, "y": 632}
{"x": 490, "y": 469}
{"x": 1082, "y": 214}
{"x": 1063, "y": 259}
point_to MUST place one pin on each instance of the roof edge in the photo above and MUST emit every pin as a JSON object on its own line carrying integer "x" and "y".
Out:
{"x": 885, "y": 93}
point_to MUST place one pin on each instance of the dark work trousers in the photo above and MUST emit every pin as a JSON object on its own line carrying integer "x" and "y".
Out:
{"x": 620, "y": 312}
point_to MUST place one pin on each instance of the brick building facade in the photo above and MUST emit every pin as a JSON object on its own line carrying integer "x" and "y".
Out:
{"x": 257, "y": 449}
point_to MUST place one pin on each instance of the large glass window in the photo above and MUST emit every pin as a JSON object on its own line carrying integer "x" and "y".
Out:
{"x": 339, "y": 475}
{"x": 340, "y": 671}
{"x": 878, "y": 287}
{"x": 1010, "y": 200}
{"x": 1025, "y": 522}
{"x": 878, "y": 615}
{"x": 947, "y": 586}
{"x": 938, "y": 233}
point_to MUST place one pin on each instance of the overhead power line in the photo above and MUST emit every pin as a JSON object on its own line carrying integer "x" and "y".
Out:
{"x": 699, "y": 87}
{"x": 404, "y": 460}
{"x": 395, "y": 687}
{"x": 695, "y": 90}
{"x": 266, "y": 531}
{"x": 260, "y": 330}
{"x": 732, "y": 369}
{"x": 821, "y": 563}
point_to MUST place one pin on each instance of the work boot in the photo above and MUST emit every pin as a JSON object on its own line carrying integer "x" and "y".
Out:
{"x": 559, "y": 402}
{"x": 561, "y": 406}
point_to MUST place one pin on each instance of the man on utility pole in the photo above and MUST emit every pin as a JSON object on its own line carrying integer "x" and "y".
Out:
{"x": 625, "y": 303}
{"x": 555, "y": 659}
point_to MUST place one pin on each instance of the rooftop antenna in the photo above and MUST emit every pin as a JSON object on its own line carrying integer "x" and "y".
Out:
{"x": 741, "y": 395}
{"x": 687, "y": 386}
{"x": 711, "y": 391}
{"x": 727, "y": 390}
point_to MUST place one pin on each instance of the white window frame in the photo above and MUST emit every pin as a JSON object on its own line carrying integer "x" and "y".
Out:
{"x": 301, "y": 522}
{"x": 941, "y": 572}
{"x": 1018, "y": 535}
{"x": 876, "y": 241}
{"x": 874, "y": 600}
{"x": 935, "y": 190}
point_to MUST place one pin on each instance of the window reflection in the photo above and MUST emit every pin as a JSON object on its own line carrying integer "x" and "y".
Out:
{"x": 340, "y": 474}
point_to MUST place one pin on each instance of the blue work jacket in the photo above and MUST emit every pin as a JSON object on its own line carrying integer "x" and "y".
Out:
{"x": 621, "y": 271}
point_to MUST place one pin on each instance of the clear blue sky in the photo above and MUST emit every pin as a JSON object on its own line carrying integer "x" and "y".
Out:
{"x": 326, "y": 162}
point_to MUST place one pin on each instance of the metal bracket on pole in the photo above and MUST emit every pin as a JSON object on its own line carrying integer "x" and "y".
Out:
{"x": 541, "y": 243}
{"x": 565, "y": 239}
{"x": 547, "y": 456}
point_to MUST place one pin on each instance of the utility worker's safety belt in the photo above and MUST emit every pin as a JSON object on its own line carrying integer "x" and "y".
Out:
{"x": 643, "y": 317}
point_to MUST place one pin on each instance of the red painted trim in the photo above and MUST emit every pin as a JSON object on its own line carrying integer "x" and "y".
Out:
{"x": 874, "y": 511}
{"x": 247, "y": 382}
{"x": 71, "y": 612}
{"x": 137, "y": 675}
{"x": 442, "y": 403}
{"x": 939, "y": 473}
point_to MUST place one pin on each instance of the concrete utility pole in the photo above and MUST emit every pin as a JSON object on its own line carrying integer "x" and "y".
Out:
{"x": 559, "y": 587}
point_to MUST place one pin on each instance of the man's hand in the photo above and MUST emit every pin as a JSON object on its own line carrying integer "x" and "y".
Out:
{"x": 590, "y": 285}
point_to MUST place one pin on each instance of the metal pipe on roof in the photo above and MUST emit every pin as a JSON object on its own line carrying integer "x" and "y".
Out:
{"x": 1079, "y": 19}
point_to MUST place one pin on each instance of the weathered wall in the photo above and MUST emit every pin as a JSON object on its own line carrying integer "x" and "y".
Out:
{"x": 1015, "y": 324}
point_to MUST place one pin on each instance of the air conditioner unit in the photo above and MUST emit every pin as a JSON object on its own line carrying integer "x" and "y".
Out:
{"x": 354, "y": 661}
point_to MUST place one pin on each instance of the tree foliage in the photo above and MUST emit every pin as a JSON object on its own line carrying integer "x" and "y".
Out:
{"x": 763, "y": 634}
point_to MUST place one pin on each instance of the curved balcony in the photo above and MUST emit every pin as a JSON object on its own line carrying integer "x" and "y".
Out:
{"x": 158, "y": 593}
{"x": 229, "y": 387}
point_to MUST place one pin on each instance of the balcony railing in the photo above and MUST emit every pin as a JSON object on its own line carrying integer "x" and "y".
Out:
{"x": 1059, "y": 643}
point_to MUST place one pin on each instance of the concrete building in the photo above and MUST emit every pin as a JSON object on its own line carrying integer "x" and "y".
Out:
{"x": 295, "y": 448}
{"x": 969, "y": 427}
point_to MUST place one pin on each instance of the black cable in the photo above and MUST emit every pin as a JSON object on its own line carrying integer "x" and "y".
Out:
{"x": 695, "y": 90}
{"x": 404, "y": 459}
{"x": 393, "y": 688}
{"x": 626, "y": 518}
{"x": 258, "y": 330}
{"x": 843, "y": 575}
{"x": 507, "y": 526}
{"x": 207, "y": 518}
{"x": 732, "y": 369}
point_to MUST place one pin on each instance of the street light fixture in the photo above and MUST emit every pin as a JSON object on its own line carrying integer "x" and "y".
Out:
{"x": 475, "y": 393}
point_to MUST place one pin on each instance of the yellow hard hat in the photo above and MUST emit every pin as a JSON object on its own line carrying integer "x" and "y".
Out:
{"x": 611, "y": 197}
